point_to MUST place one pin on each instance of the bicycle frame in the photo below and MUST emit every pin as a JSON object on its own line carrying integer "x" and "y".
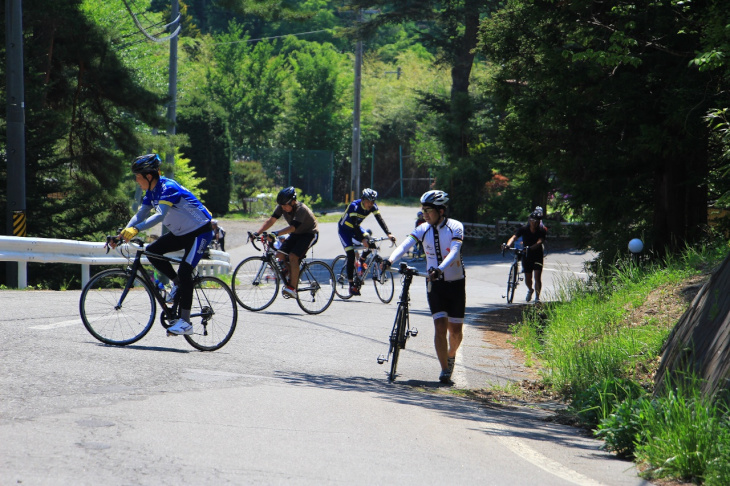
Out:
{"x": 269, "y": 255}
{"x": 515, "y": 276}
{"x": 374, "y": 253}
{"x": 138, "y": 269}
{"x": 314, "y": 276}
{"x": 401, "y": 326}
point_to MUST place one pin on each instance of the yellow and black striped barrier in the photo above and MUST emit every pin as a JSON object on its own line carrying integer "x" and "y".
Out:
{"x": 19, "y": 225}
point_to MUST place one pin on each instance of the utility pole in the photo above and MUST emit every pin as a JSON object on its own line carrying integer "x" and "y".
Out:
{"x": 15, "y": 210}
{"x": 172, "y": 86}
{"x": 355, "y": 171}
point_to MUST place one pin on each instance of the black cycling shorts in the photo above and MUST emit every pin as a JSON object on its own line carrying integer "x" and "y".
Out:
{"x": 448, "y": 299}
{"x": 298, "y": 244}
{"x": 529, "y": 264}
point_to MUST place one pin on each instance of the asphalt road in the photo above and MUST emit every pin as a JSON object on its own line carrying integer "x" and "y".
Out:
{"x": 291, "y": 399}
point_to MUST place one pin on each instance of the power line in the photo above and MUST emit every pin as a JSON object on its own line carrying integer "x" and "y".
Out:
{"x": 274, "y": 37}
{"x": 147, "y": 34}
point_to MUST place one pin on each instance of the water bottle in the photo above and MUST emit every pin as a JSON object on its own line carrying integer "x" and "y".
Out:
{"x": 161, "y": 288}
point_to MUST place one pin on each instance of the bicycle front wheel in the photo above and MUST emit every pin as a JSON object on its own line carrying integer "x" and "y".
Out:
{"x": 385, "y": 288}
{"x": 214, "y": 314}
{"x": 111, "y": 319}
{"x": 342, "y": 285}
{"x": 316, "y": 287}
{"x": 512, "y": 282}
{"x": 255, "y": 283}
{"x": 397, "y": 340}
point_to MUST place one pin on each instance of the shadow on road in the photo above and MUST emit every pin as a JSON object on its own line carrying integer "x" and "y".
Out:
{"x": 492, "y": 418}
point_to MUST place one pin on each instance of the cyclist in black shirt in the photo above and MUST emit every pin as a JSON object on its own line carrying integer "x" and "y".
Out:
{"x": 533, "y": 236}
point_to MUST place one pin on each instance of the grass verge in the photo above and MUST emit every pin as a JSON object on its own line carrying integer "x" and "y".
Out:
{"x": 598, "y": 346}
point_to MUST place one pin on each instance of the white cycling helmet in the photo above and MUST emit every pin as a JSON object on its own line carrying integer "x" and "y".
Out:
{"x": 435, "y": 198}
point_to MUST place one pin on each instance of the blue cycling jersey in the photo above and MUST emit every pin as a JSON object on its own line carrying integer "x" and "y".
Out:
{"x": 356, "y": 213}
{"x": 183, "y": 212}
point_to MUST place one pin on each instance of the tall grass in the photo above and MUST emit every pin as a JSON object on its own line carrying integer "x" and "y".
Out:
{"x": 685, "y": 435}
{"x": 679, "y": 434}
{"x": 585, "y": 337}
{"x": 590, "y": 346}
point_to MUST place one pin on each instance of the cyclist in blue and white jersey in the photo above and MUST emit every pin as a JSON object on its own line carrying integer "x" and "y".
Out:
{"x": 190, "y": 230}
{"x": 441, "y": 239}
{"x": 350, "y": 233}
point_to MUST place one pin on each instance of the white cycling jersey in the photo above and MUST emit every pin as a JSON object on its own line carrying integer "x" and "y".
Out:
{"x": 442, "y": 246}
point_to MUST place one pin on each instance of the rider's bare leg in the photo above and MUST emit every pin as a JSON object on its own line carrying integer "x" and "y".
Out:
{"x": 447, "y": 339}
{"x": 293, "y": 270}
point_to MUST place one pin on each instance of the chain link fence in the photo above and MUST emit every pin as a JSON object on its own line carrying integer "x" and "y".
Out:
{"x": 312, "y": 171}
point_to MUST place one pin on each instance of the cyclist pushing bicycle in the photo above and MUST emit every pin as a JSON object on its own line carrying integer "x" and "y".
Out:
{"x": 190, "y": 230}
{"x": 533, "y": 236}
{"x": 441, "y": 239}
{"x": 350, "y": 233}
{"x": 302, "y": 230}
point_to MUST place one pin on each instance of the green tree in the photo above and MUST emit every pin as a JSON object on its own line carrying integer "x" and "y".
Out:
{"x": 209, "y": 149}
{"x": 313, "y": 116}
{"x": 600, "y": 104}
{"x": 82, "y": 110}
{"x": 247, "y": 79}
{"x": 448, "y": 28}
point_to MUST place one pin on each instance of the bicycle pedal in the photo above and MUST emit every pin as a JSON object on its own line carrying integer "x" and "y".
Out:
{"x": 414, "y": 332}
{"x": 381, "y": 359}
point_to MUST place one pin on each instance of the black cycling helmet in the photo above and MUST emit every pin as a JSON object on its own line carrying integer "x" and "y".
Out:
{"x": 286, "y": 195}
{"x": 146, "y": 164}
{"x": 369, "y": 194}
{"x": 537, "y": 214}
{"x": 435, "y": 198}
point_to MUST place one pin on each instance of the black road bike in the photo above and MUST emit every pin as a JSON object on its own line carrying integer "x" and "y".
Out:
{"x": 256, "y": 280}
{"x": 401, "y": 326}
{"x": 383, "y": 281}
{"x": 119, "y": 306}
{"x": 515, "y": 276}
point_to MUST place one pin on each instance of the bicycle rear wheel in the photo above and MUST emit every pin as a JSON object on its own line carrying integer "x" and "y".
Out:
{"x": 214, "y": 314}
{"x": 255, "y": 283}
{"x": 111, "y": 321}
{"x": 316, "y": 287}
{"x": 385, "y": 288}
{"x": 342, "y": 285}
{"x": 512, "y": 282}
{"x": 397, "y": 340}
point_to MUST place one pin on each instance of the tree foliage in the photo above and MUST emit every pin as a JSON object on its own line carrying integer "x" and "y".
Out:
{"x": 83, "y": 106}
{"x": 599, "y": 105}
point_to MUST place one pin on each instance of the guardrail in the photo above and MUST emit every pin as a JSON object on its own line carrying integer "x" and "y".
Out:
{"x": 84, "y": 253}
{"x": 505, "y": 229}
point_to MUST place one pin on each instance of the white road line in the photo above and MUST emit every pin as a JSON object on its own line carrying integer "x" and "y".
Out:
{"x": 553, "y": 467}
{"x": 55, "y": 325}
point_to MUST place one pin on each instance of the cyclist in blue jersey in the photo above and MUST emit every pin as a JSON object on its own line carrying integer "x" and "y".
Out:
{"x": 351, "y": 234}
{"x": 441, "y": 238}
{"x": 190, "y": 230}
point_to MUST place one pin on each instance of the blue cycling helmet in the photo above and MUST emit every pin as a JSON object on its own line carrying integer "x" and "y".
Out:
{"x": 146, "y": 164}
{"x": 369, "y": 194}
{"x": 286, "y": 195}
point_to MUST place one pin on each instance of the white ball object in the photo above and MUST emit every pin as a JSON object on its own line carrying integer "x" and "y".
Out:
{"x": 636, "y": 245}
